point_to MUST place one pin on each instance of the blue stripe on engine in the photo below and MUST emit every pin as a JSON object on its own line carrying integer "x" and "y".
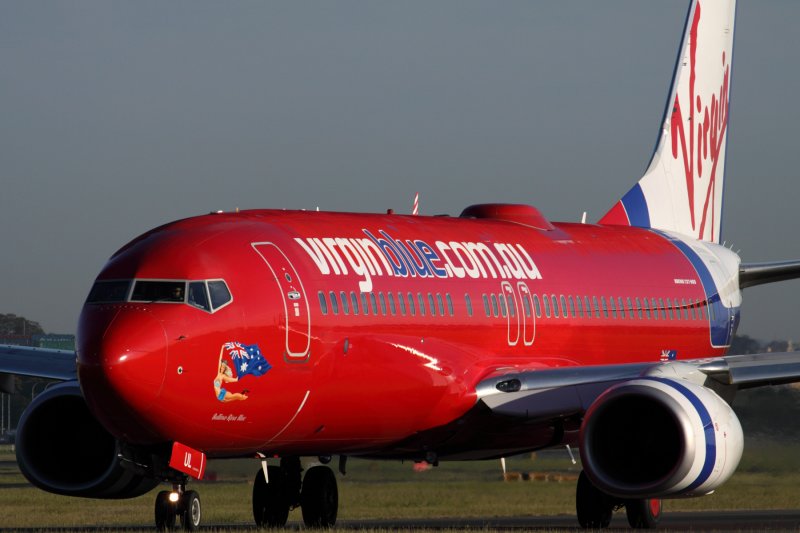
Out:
{"x": 636, "y": 207}
{"x": 708, "y": 430}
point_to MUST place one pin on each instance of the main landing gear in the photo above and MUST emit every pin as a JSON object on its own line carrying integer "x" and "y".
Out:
{"x": 595, "y": 508}
{"x": 281, "y": 490}
{"x": 178, "y": 504}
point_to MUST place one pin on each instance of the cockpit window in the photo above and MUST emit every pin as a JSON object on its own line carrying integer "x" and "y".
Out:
{"x": 208, "y": 295}
{"x": 109, "y": 291}
{"x": 159, "y": 291}
{"x": 220, "y": 295}
{"x": 198, "y": 296}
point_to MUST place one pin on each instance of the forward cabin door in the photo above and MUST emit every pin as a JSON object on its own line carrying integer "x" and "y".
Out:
{"x": 297, "y": 316}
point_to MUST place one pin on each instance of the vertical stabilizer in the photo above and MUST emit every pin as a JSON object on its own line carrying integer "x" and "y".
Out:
{"x": 681, "y": 190}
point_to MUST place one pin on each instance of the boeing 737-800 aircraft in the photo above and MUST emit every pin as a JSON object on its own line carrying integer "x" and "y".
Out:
{"x": 281, "y": 334}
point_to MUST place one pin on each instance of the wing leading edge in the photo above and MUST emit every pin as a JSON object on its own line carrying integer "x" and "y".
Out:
{"x": 566, "y": 392}
{"x": 37, "y": 362}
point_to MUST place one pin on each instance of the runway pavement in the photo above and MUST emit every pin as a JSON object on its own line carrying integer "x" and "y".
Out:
{"x": 781, "y": 520}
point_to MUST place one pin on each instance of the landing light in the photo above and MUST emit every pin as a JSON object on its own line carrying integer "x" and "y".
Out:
{"x": 174, "y": 497}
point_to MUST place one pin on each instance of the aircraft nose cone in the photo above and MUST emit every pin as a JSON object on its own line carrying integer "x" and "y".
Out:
{"x": 122, "y": 368}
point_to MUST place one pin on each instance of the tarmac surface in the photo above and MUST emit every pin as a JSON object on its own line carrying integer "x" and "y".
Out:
{"x": 781, "y": 520}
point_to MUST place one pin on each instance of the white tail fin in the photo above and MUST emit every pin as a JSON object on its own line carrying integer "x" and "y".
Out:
{"x": 681, "y": 190}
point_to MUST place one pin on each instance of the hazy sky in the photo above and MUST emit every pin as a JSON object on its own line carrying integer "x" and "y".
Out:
{"x": 116, "y": 117}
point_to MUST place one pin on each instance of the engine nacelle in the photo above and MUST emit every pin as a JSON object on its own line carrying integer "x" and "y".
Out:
{"x": 62, "y": 448}
{"x": 658, "y": 438}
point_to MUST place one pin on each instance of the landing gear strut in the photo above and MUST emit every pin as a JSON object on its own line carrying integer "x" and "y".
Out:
{"x": 281, "y": 491}
{"x": 170, "y": 505}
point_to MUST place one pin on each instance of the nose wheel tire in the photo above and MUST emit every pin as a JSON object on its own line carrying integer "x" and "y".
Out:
{"x": 190, "y": 510}
{"x": 643, "y": 514}
{"x": 165, "y": 512}
{"x": 319, "y": 498}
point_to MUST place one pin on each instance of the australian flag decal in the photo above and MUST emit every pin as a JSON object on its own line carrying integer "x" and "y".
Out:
{"x": 669, "y": 355}
{"x": 247, "y": 359}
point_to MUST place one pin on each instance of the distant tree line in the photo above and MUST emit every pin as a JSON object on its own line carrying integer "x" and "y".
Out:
{"x": 12, "y": 325}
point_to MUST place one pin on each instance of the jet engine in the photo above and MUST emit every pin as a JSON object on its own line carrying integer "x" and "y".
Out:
{"x": 62, "y": 448}
{"x": 655, "y": 437}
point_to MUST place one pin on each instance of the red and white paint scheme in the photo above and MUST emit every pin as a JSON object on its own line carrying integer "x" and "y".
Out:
{"x": 281, "y": 334}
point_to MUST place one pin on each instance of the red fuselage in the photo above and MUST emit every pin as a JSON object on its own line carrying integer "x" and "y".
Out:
{"x": 359, "y": 376}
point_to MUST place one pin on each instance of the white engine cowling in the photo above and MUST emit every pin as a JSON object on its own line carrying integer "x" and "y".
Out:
{"x": 655, "y": 437}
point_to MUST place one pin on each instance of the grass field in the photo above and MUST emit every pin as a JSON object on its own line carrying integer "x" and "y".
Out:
{"x": 386, "y": 490}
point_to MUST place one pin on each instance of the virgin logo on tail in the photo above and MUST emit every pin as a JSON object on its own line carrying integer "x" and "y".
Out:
{"x": 707, "y": 124}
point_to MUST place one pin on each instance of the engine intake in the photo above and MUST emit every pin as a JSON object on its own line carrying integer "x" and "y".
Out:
{"x": 62, "y": 448}
{"x": 655, "y": 438}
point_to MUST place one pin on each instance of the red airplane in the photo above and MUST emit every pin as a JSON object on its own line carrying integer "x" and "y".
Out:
{"x": 281, "y": 334}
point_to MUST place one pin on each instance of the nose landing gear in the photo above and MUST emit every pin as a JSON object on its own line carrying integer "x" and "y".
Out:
{"x": 170, "y": 505}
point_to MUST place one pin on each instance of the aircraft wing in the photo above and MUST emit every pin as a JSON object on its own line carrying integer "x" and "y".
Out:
{"x": 37, "y": 362}
{"x": 564, "y": 392}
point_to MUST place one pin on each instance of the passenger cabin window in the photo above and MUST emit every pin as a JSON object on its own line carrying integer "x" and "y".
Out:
{"x": 449, "y": 304}
{"x": 486, "y": 305}
{"x": 334, "y": 303}
{"x": 412, "y": 311}
{"x": 109, "y": 291}
{"x": 432, "y": 305}
{"x": 364, "y": 304}
{"x": 354, "y": 302}
{"x": 421, "y": 301}
{"x": 536, "y": 307}
{"x": 502, "y": 305}
{"x": 392, "y": 306}
{"x": 323, "y": 304}
{"x": 526, "y": 303}
{"x": 402, "y": 303}
{"x": 468, "y": 302}
{"x": 382, "y": 299}
{"x": 345, "y": 307}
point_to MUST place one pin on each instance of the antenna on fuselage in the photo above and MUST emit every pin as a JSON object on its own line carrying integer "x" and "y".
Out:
{"x": 415, "y": 210}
